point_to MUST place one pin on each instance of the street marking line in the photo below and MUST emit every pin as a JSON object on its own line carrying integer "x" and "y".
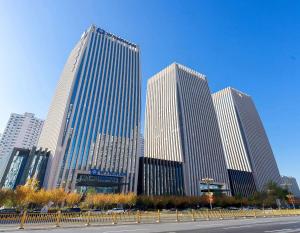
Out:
{"x": 284, "y": 231}
{"x": 263, "y": 223}
{"x": 246, "y": 226}
{"x": 283, "y": 223}
{"x": 141, "y": 229}
{"x": 277, "y": 230}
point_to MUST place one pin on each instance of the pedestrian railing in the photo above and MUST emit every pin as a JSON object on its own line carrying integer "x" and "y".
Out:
{"x": 95, "y": 218}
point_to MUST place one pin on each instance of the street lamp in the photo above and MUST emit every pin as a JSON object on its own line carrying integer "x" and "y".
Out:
{"x": 208, "y": 181}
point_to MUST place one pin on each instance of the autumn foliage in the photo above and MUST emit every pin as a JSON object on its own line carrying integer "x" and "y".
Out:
{"x": 103, "y": 201}
{"x": 29, "y": 196}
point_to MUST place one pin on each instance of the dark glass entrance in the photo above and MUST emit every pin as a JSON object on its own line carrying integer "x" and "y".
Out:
{"x": 99, "y": 183}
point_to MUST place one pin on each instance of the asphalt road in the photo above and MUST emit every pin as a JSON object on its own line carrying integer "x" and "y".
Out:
{"x": 260, "y": 225}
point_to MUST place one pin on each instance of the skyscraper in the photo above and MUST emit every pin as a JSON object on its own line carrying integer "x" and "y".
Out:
{"x": 23, "y": 131}
{"x": 181, "y": 126}
{"x": 93, "y": 125}
{"x": 291, "y": 184}
{"x": 245, "y": 142}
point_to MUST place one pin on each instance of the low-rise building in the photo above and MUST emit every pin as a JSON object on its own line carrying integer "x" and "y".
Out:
{"x": 24, "y": 164}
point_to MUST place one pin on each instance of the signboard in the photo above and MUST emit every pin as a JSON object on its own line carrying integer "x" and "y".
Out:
{"x": 98, "y": 180}
{"x": 97, "y": 172}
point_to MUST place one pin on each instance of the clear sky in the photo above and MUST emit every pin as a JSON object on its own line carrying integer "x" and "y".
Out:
{"x": 251, "y": 45}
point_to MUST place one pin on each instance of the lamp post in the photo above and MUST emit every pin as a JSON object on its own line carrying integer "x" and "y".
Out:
{"x": 208, "y": 181}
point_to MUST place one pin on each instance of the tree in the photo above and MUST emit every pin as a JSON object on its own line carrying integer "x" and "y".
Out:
{"x": 6, "y": 197}
{"x": 73, "y": 199}
{"x": 41, "y": 197}
{"x": 57, "y": 196}
{"x": 131, "y": 199}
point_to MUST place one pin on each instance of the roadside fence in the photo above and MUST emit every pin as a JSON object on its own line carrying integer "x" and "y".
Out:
{"x": 89, "y": 218}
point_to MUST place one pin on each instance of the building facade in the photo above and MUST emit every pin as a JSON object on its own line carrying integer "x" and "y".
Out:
{"x": 291, "y": 184}
{"x": 22, "y": 131}
{"x": 23, "y": 165}
{"x": 142, "y": 146}
{"x": 160, "y": 177}
{"x": 181, "y": 126}
{"x": 245, "y": 142}
{"x": 241, "y": 183}
{"x": 94, "y": 120}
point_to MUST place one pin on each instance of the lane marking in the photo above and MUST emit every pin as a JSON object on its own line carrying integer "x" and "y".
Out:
{"x": 141, "y": 229}
{"x": 263, "y": 223}
{"x": 282, "y": 223}
{"x": 277, "y": 230}
{"x": 284, "y": 231}
{"x": 246, "y": 226}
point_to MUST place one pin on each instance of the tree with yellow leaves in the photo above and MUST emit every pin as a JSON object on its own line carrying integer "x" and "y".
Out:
{"x": 73, "y": 199}
{"x": 57, "y": 196}
{"x": 41, "y": 197}
{"x": 131, "y": 199}
{"x": 24, "y": 194}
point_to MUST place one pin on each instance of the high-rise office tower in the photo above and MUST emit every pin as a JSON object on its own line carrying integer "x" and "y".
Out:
{"x": 93, "y": 125}
{"x": 23, "y": 131}
{"x": 181, "y": 126}
{"x": 291, "y": 184}
{"x": 245, "y": 142}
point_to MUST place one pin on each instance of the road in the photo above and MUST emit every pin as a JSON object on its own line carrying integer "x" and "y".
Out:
{"x": 260, "y": 225}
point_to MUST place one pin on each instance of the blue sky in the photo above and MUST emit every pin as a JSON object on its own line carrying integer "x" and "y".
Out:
{"x": 250, "y": 45}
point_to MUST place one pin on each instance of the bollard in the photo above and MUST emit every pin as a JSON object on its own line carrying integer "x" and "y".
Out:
{"x": 193, "y": 215}
{"x": 255, "y": 214}
{"x": 177, "y": 216}
{"x": 220, "y": 212}
{"x": 58, "y": 217}
{"x": 23, "y": 218}
{"x": 88, "y": 218}
{"x": 207, "y": 212}
{"x": 138, "y": 217}
{"x": 114, "y": 219}
{"x": 158, "y": 216}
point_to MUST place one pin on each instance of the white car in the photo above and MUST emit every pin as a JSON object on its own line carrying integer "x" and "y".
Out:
{"x": 116, "y": 211}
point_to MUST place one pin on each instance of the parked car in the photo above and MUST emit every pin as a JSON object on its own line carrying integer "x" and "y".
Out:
{"x": 232, "y": 208}
{"x": 98, "y": 211}
{"x": 8, "y": 211}
{"x": 35, "y": 211}
{"x": 116, "y": 211}
{"x": 72, "y": 210}
{"x": 131, "y": 210}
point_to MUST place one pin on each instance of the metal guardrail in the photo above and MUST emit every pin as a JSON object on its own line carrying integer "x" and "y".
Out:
{"x": 93, "y": 218}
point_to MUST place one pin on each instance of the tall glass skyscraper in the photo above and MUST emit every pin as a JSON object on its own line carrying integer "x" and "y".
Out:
{"x": 93, "y": 125}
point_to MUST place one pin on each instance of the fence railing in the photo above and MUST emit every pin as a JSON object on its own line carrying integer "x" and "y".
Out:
{"x": 95, "y": 218}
